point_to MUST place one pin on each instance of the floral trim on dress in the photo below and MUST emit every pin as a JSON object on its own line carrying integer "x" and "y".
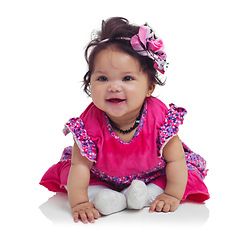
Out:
{"x": 86, "y": 145}
{"x": 67, "y": 154}
{"x": 122, "y": 182}
{"x": 173, "y": 119}
{"x": 113, "y": 133}
{"x": 195, "y": 162}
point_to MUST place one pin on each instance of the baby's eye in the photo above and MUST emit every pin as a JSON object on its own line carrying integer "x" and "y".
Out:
{"x": 102, "y": 79}
{"x": 127, "y": 78}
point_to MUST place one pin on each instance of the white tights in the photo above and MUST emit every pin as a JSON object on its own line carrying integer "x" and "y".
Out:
{"x": 136, "y": 196}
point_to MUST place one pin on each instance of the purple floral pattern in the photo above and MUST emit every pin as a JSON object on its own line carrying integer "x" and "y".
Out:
{"x": 86, "y": 145}
{"x": 67, "y": 154}
{"x": 122, "y": 182}
{"x": 195, "y": 162}
{"x": 171, "y": 125}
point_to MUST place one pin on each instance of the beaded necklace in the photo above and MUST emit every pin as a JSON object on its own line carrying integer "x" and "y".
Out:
{"x": 131, "y": 128}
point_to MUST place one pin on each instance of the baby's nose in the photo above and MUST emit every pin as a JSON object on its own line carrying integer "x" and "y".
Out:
{"x": 115, "y": 87}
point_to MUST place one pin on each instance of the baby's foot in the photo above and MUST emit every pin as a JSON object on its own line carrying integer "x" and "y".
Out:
{"x": 108, "y": 201}
{"x": 137, "y": 195}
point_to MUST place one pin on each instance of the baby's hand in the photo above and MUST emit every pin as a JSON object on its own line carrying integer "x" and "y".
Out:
{"x": 85, "y": 212}
{"x": 165, "y": 203}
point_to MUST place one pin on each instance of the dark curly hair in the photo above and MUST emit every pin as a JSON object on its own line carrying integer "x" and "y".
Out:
{"x": 113, "y": 29}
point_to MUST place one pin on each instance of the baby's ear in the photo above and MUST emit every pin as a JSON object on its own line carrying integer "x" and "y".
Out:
{"x": 151, "y": 89}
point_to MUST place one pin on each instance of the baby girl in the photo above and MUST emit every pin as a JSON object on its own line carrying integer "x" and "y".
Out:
{"x": 126, "y": 151}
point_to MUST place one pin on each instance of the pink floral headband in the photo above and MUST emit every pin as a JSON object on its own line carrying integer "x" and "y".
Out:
{"x": 145, "y": 44}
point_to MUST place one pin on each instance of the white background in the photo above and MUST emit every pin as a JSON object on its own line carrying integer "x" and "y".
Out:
{"x": 41, "y": 69}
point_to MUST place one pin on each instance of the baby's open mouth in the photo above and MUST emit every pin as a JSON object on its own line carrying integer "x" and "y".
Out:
{"x": 116, "y": 100}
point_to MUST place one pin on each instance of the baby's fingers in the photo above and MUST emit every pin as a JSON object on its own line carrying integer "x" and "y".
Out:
{"x": 86, "y": 216}
{"x": 91, "y": 216}
{"x": 96, "y": 213}
{"x": 75, "y": 216}
{"x": 156, "y": 205}
{"x": 166, "y": 207}
{"x": 83, "y": 216}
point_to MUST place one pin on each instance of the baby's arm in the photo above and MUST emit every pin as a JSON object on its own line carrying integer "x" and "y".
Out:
{"x": 78, "y": 181}
{"x": 176, "y": 174}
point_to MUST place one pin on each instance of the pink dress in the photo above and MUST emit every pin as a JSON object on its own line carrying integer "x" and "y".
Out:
{"x": 117, "y": 163}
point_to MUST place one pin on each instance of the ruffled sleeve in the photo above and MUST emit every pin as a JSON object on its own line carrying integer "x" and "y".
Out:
{"x": 170, "y": 128}
{"x": 87, "y": 146}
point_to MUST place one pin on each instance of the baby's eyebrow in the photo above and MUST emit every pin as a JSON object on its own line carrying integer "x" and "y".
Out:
{"x": 101, "y": 72}
{"x": 129, "y": 72}
{"x": 123, "y": 73}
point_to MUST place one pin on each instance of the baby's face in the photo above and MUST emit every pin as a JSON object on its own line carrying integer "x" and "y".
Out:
{"x": 118, "y": 85}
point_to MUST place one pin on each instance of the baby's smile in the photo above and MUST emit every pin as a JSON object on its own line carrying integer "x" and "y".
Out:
{"x": 115, "y": 100}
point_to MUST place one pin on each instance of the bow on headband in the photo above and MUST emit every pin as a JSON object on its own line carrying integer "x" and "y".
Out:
{"x": 146, "y": 45}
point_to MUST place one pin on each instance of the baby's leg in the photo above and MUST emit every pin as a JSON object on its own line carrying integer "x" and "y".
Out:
{"x": 136, "y": 194}
{"x": 106, "y": 200}
{"x": 154, "y": 190}
{"x": 140, "y": 195}
{"x": 93, "y": 190}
